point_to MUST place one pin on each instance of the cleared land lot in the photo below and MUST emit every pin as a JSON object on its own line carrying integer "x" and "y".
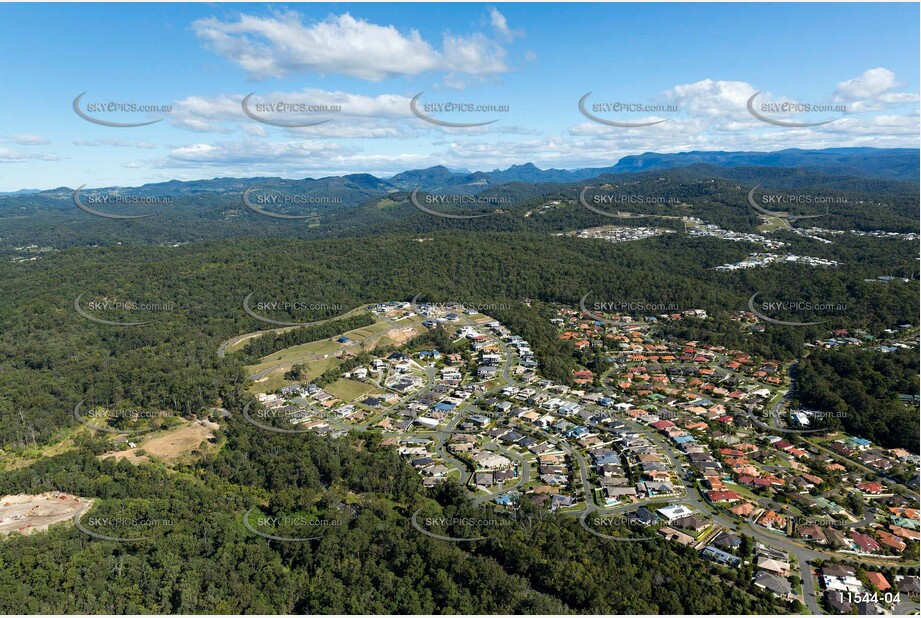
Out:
{"x": 319, "y": 356}
{"x": 399, "y": 336}
{"x": 350, "y": 390}
{"x": 170, "y": 445}
{"x": 26, "y": 513}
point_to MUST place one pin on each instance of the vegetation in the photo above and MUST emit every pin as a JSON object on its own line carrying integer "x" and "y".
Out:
{"x": 267, "y": 344}
{"x": 205, "y": 561}
{"x": 51, "y": 358}
{"x": 858, "y": 390}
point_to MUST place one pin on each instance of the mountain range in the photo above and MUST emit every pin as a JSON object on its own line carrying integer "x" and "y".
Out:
{"x": 834, "y": 164}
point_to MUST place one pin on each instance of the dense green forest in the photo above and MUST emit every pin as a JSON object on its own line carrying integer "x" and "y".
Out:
{"x": 374, "y": 561}
{"x": 859, "y": 389}
{"x": 51, "y": 357}
{"x": 362, "y": 205}
{"x": 191, "y": 266}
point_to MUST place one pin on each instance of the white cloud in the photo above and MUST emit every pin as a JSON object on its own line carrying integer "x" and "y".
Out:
{"x": 870, "y": 84}
{"x": 113, "y": 143}
{"x": 282, "y": 44}
{"x": 14, "y": 156}
{"x": 254, "y": 152}
{"x": 500, "y": 25}
{"x": 205, "y": 114}
{"x": 359, "y": 116}
{"x": 872, "y": 91}
{"x": 475, "y": 54}
{"x": 711, "y": 97}
{"x": 288, "y": 158}
{"x": 29, "y": 140}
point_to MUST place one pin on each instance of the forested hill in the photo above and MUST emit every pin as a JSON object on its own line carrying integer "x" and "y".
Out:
{"x": 361, "y": 205}
{"x": 892, "y": 163}
{"x": 201, "y": 558}
{"x": 52, "y": 357}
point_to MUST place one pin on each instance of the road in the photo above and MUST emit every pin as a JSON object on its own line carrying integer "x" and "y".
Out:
{"x": 313, "y": 357}
{"x": 688, "y": 493}
{"x": 222, "y": 349}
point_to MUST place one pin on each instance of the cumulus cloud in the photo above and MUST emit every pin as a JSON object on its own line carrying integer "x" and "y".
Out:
{"x": 8, "y": 155}
{"x": 870, "y": 84}
{"x": 500, "y": 25}
{"x": 874, "y": 89}
{"x": 252, "y": 151}
{"x": 282, "y": 44}
{"x": 24, "y": 139}
{"x": 289, "y": 158}
{"x": 357, "y": 116}
{"x": 711, "y": 97}
{"x": 113, "y": 143}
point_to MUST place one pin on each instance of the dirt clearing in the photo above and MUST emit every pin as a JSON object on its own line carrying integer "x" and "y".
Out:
{"x": 170, "y": 445}
{"x": 400, "y": 336}
{"x": 27, "y": 513}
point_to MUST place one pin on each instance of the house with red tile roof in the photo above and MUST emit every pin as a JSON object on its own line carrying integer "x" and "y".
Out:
{"x": 871, "y": 488}
{"x": 742, "y": 510}
{"x": 723, "y": 496}
{"x": 878, "y": 581}
{"x": 891, "y": 541}
{"x": 864, "y": 542}
{"x": 905, "y": 533}
{"x": 770, "y": 519}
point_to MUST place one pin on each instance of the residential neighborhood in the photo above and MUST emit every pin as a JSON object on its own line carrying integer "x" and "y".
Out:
{"x": 691, "y": 443}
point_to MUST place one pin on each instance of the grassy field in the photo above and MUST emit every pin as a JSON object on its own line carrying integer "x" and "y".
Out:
{"x": 772, "y": 223}
{"x": 300, "y": 354}
{"x": 277, "y": 379}
{"x": 349, "y": 390}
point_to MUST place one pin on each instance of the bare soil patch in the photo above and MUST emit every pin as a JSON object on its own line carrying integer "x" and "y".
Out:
{"x": 27, "y": 513}
{"x": 170, "y": 445}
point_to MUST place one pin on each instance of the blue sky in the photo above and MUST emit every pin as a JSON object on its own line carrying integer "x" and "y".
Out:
{"x": 701, "y": 61}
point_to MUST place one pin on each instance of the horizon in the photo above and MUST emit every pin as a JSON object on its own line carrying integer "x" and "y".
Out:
{"x": 368, "y": 66}
{"x": 453, "y": 171}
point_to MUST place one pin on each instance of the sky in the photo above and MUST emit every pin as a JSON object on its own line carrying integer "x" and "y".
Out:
{"x": 694, "y": 67}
